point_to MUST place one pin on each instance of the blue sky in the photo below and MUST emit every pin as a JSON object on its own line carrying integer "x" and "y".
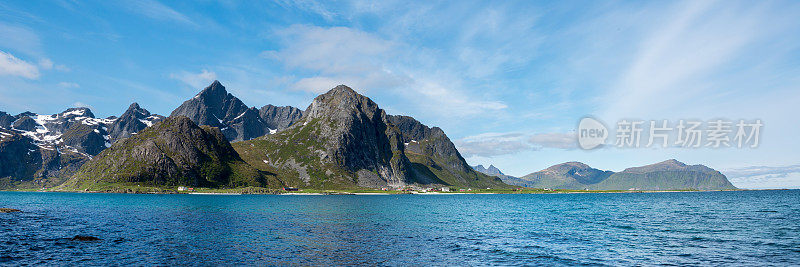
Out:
{"x": 508, "y": 81}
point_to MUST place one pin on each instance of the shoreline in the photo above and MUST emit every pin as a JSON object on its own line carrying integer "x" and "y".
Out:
{"x": 343, "y": 192}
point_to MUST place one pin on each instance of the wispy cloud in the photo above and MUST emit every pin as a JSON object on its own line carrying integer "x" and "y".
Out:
{"x": 493, "y": 144}
{"x": 678, "y": 63}
{"x": 195, "y": 80}
{"x": 13, "y": 66}
{"x": 20, "y": 39}
{"x": 336, "y": 54}
{"x": 367, "y": 62}
{"x": 68, "y": 85}
{"x": 765, "y": 176}
{"x": 497, "y": 144}
{"x": 761, "y": 170}
{"x": 555, "y": 140}
{"x": 156, "y": 10}
{"x": 311, "y": 6}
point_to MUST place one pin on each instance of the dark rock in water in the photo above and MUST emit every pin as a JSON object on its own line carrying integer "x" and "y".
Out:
{"x": 84, "y": 238}
{"x": 7, "y": 210}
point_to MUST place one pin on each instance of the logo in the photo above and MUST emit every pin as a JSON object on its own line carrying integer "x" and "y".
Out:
{"x": 591, "y": 133}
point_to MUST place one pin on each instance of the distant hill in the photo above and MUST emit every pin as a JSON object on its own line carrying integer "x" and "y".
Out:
{"x": 670, "y": 174}
{"x": 508, "y": 179}
{"x": 569, "y": 175}
{"x": 666, "y": 175}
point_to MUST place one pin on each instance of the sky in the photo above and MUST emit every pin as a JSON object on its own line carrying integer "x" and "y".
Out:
{"x": 508, "y": 81}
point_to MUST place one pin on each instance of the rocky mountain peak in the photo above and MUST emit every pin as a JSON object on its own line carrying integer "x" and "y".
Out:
{"x": 214, "y": 106}
{"x": 342, "y": 102}
{"x": 494, "y": 170}
{"x": 213, "y": 92}
{"x": 131, "y": 122}
{"x": 77, "y": 112}
{"x": 134, "y": 110}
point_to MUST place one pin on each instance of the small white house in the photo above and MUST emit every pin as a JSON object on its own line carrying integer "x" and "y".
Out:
{"x": 181, "y": 188}
{"x": 445, "y": 189}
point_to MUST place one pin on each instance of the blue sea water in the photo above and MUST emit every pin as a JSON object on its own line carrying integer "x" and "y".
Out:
{"x": 689, "y": 228}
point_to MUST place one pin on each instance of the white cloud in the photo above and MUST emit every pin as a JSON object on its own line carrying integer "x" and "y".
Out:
{"x": 338, "y": 55}
{"x": 755, "y": 177}
{"x": 195, "y": 80}
{"x": 156, "y": 10}
{"x": 46, "y": 63}
{"x": 493, "y": 144}
{"x": 366, "y": 62}
{"x": 82, "y": 105}
{"x": 68, "y": 85}
{"x": 555, "y": 140}
{"x": 316, "y": 85}
{"x": 762, "y": 170}
{"x": 20, "y": 39}
{"x": 498, "y": 144}
{"x": 310, "y": 6}
{"x": 13, "y": 66}
{"x": 678, "y": 63}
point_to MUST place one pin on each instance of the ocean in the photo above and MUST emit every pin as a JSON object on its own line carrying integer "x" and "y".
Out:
{"x": 670, "y": 228}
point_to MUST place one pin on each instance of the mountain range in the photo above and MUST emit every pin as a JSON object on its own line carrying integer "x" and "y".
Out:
{"x": 342, "y": 140}
{"x": 215, "y": 107}
{"x": 666, "y": 175}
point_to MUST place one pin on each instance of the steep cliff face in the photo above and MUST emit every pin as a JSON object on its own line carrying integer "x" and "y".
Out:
{"x": 435, "y": 158}
{"x": 20, "y": 158}
{"x": 345, "y": 140}
{"x": 173, "y": 152}
{"x": 279, "y": 118}
{"x": 24, "y": 163}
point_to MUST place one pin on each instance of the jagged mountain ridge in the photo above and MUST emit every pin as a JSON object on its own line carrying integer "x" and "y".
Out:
{"x": 345, "y": 140}
{"x": 215, "y": 107}
{"x": 491, "y": 170}
{"x": 61, "y": 142}
{"x": 508, "y": 179}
